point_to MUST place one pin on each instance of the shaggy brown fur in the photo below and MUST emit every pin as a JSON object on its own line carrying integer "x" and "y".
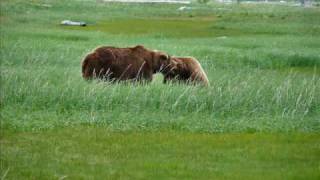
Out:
{"x": 185, "y": 69}
{"x": 111, "y": 63}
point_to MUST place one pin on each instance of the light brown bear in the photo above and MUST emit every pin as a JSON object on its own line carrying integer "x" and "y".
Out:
{"x": 185, "y": 69}
{"x": 115, "y": 64}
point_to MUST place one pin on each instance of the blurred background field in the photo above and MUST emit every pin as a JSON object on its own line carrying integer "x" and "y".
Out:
{"x": 262, "y": 61}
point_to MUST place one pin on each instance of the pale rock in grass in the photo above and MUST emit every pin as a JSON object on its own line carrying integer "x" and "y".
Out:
{"x": 183, "y": 8}
{"x": 72, "y": 23}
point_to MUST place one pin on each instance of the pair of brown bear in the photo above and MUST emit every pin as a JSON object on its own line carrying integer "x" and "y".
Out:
{"x": 139, "y": 63}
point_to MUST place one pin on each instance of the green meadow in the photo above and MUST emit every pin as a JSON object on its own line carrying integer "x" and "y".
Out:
{"x": 258, "y": 119}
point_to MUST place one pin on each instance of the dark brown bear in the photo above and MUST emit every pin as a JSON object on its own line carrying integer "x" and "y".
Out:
{"x": 185, "y": 69}
{"x": 111, "y": 63}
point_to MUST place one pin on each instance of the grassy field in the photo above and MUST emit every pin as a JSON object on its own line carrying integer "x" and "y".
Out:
{"x": 259, "y": 119}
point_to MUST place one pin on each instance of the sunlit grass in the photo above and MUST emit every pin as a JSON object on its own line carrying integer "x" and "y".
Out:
{"x": 86, "y": 152}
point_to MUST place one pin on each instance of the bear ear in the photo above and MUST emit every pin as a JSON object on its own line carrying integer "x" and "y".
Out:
{"x": 164, "y": 57}
{"x": 138, "y": 47}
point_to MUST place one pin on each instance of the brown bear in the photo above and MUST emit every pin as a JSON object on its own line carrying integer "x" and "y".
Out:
{"x": 185, "y": 69}
{"x": 115, "y": 64}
